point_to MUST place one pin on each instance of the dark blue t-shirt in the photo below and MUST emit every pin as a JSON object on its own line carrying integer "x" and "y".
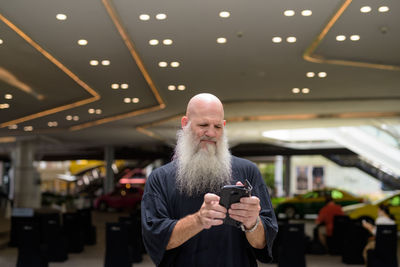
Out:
{"x": 163, "y": 205}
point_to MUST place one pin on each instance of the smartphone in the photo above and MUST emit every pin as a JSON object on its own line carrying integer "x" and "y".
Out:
{"x": 232, "y": 194}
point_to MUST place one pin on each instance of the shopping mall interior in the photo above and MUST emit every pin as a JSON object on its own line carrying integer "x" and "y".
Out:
{"x": 92, "y": 94}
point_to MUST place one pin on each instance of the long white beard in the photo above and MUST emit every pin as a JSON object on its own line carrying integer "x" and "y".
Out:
{"x": 201, "y": 170}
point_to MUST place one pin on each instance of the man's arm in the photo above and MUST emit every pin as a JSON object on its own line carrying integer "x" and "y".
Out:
{"x": 210, "y": 214}
{"x": 247, "y": 212}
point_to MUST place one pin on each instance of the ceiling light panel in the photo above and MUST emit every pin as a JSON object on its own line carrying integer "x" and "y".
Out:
{"x": 171, "y": 87}
{"x": 161, "y": 16}
{"x": 291, "y": 39}
{"x": 276, "y": 39}
{"x": 224, "y": 14}
{"x": 340, "y": 38}
{"x": 365, "y": 9}
{"x": 221, "y": 40}
{"x": 82, "y": 42}
{"x": 153, "y": 42}
{"x": 383, "y": 9}
{"x": 1, "y": 41}
{"x": 61, "y": 16}
{"x": 144, "y": 17}
{"x": 306, "y": 13}
{"x": 289, "y": 13}
{"x": 167, "y": 42}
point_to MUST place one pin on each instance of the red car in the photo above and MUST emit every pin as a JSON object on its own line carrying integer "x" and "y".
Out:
{"x": 120, "y": 198}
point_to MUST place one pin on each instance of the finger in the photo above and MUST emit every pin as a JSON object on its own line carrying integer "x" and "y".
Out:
{"x": 209, "y": 197}
{"x": 250, "y": 200}
{"x": 239, "y": 183}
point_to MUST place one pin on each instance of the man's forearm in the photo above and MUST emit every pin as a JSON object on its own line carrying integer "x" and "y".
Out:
{"x": 184, "y": 229}
{"x": 257, "y": 237}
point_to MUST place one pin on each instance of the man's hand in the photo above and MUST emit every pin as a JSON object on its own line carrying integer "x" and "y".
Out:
{"x": 246, "y": 211}
{"x": 211, "y": 213}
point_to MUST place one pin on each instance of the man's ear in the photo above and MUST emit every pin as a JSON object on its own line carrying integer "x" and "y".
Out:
{"x": 184, "y": 121}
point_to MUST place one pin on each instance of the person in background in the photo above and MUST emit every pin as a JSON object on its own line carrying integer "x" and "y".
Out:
{"x": 384, "y": 218}
{"x": 182, "y": 219}
{"x": 325, "y": 219}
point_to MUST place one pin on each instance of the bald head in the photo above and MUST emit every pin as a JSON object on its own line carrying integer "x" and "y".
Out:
{"x": 202, "y": 102}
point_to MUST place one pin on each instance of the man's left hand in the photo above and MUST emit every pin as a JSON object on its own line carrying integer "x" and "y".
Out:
{"x": 246, "y": 211}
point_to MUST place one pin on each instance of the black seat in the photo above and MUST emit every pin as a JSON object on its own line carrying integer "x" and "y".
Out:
{"x": 89, "y": 230}
{"x": 385, "y": 252}
{"x": 340, "y": 225}
{"x": 356, "y": 238}
{"x": 53, "y": 237}
{"x": 31, "y": 252}
{"x": 292, "y": 249}
{"x": 73, "y": 230}
{"x": 117, "y": 246}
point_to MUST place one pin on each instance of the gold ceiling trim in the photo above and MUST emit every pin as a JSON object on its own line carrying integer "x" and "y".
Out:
{"x": 131, "y": 47}
{"x": 95, "y": 95}
{"x": 307, "y": 116}
{"x": 309, "y": 55}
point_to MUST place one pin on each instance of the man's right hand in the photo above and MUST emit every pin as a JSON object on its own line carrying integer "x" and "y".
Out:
{"x": 211, "y": 212}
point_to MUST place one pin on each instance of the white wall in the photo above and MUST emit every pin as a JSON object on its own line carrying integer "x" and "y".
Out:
{"x": 349, "y": 179}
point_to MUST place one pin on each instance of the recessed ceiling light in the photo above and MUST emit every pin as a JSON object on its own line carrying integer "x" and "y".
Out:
{"x": 306, "y": 13}
{"x": 13, "y": 127}
{"x": 8, "y": 96}
{"x": 144, "y": 17}
{"x": 82, "y": 42}
{"x": 105, "y": 62}
{"x": 171, "y": 87}
{"x": 98, "y": 111}
{"x": 291, "y": 39}
{"x": 305, "y": 90}
{"x": 75, "y": 118}
{"x": 296, "y": 90}
{"x": 277, "y": 39}
{"x": 289, "y": 13}
{"x": 68, "y": 118}
{"x": 124, "y": 86}
{"x": 383, "y": 9}
{"x": 135, "y": 100}
{"x": 221, "y": 40}
{"x": 153, "y": 42}
{"x": 355, "y": 37}
{"x": 127, "y": 100}
{"x": 161, "y": 16}
{"x": 167, "y": 41}
{"x": 224, "y": 14}
{"x": 91, "y": 111}
{"x": 181, "y": 87}
{"x": 365, "y": 9}
{"x": 162, "y": 64}
{"x": 94, "y": 62}
{"x": 340, "y": 38}
{"x": 322, "y": 74}
{"x": 52, "y": 124}
{"x": 310, "y": 74}
{"x": 115, "y": 86}
{"x": 175, "y": 64}
{"x": 61, "y": 16}
{"x": 1, "y": 41}
{"x": 28, "y": 128}
{"x": 4, "y": 106}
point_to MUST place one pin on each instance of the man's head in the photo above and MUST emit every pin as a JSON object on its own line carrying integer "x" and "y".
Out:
{"x": 202, "y": 152}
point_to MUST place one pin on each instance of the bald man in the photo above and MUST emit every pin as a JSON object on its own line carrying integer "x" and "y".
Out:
{"x": 182, "y": 220}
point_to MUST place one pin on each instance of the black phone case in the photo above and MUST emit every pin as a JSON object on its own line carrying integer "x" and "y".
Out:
{"x": 232, "y": 194}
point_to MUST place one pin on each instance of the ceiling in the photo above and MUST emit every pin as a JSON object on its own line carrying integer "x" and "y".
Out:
{"x": 67, "y": 105}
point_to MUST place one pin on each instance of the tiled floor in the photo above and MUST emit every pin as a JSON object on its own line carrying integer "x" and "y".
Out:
{"x": 93, "y": 256}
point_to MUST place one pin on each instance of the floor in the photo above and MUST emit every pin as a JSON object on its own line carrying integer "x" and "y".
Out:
{"x": 93, "y": 256}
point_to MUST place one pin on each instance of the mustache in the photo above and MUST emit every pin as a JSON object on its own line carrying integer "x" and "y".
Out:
{"x": 206, "y": 138}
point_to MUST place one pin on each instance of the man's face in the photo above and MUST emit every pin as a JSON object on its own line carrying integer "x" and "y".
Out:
{"x": 207, "y": 129}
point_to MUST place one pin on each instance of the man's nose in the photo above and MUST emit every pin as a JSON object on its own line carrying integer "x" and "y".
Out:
{"x": 211, "y": 132}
